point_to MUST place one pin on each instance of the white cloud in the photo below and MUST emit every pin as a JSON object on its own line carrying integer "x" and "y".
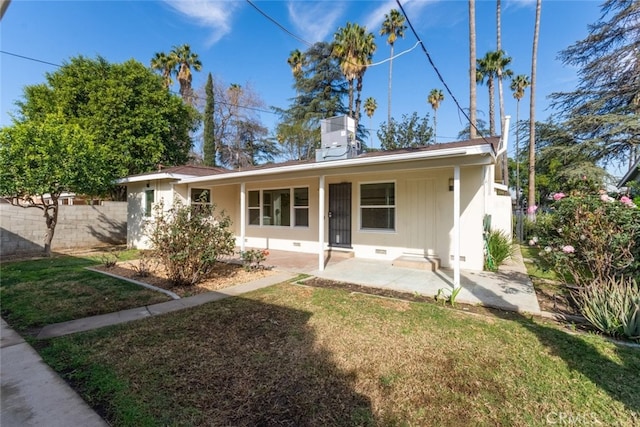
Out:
{"x": 314, "y": 21}
{"x": 216, "y": 15}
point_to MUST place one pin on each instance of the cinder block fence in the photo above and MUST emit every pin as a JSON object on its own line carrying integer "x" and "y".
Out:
{"x": 79, "y": 226}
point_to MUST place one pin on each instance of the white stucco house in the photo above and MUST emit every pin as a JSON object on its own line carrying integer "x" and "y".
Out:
{"x": 423, "y": 202}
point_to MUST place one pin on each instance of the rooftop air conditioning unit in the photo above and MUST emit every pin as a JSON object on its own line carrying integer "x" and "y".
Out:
{"x": 337, "y": 139}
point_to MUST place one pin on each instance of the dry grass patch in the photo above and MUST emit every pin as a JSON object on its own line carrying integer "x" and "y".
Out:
{"x": 293, "y": 355}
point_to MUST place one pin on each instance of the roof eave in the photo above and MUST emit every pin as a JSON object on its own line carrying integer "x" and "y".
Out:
{"x": 484, "y": 149}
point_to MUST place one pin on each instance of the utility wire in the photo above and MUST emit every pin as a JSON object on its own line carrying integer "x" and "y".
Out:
{"x": 424, "y": 49}
{"x": 28, "y": 58}
{"x": 300, "y": 39}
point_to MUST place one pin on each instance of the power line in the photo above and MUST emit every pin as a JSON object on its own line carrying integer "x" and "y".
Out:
{"x": 424, "y": 49}
{"x": 300, "y": 39}
{"x": 29, "y": 58}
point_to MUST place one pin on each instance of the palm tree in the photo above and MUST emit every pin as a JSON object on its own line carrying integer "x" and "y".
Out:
{"x": 354, "y": 48}
{"x": 499, "y": 49}
{"x": 370, "y": 107}
{"x": 518, "y": 85}
{"x": 345, "y": 48}
{"x": 166, "y": 65}
{"x": 472, "y": 70}
{"x": 186, "y": 59}
{"x": 367, "y": 46}
{"x": 296, "y": 61}
{"x": 531, "y": 199}
{"x": 489, "y": 67}
{"x": 393, "y": 26}
{"x": 435, "y": 98}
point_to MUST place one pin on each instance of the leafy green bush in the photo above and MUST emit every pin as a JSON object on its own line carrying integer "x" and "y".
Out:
{"x": 612, "y": 306}
{"x": 590, "y": 238}
{"x": 499, "y": 248}
{"x": 189, "y": 242}
{"x": 253, "y": 258}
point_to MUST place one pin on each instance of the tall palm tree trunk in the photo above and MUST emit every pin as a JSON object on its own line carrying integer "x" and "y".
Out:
{"x": 531, "y": 199}
{"x": 358, "y": 103}
{"x": 503, "y": 131}
{"x": 351, "y": 99}
{"x": 517, "y": 152}
{"x": 472, "y": 69}
{"x": 389, "y": 91}
{"x": 492, "y": 106}
{"x": 435, "y": 125}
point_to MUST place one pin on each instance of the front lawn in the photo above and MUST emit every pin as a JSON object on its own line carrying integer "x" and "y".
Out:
{"x": 295, "y": 355}
{"x": 39, "y": 292}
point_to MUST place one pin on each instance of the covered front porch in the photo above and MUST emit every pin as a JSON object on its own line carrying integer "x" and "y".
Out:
{"x": 508, "y": 289}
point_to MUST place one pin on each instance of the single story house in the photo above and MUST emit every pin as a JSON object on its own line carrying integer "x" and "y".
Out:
{"x": 427, "y": 202}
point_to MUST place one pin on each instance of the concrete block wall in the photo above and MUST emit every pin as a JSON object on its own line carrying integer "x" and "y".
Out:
{"x": 79, "y": 226}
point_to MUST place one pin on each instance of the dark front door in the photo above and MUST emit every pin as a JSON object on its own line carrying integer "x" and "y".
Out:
{"x": 340, "y": 215}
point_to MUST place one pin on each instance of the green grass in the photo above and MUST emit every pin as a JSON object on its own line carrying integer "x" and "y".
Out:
{"x": 39, "y": 292}
{"x": 294, "y": 355}
{"x": 536, "y": 266}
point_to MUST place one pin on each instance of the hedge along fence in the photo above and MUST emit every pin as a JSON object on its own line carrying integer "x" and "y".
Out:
{"x": 22, "y": 230}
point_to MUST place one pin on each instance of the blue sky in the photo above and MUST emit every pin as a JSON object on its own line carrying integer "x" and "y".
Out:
{"x": 238, "y": 45}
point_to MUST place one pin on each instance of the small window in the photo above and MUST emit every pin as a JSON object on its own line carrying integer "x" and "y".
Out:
{"x": 378, "y": 206}
{"x": 200, "y": 200}
{"x": 254, "y": 207}
{"x": 301, "y": 207}
{"x": 149, "y": 198}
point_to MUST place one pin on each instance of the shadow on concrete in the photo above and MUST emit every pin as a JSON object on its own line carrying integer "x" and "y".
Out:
{"x": 236, "y": 362}
{"x": 109, "y": 231}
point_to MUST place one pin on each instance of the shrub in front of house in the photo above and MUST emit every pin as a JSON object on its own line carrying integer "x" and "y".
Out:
{"x": 593, "y": 241}
{"x": 189, "y": 242}
{"x": 590, "y": 237}
{"x": 499, "y": 248}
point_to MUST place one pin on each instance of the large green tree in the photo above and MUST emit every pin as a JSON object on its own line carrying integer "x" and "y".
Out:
{"x": 604, "y": 109}
{"x": 41, "y": 159}
{"x": 124, "y": 108}
{"x": 393, "y": 27}
{"x": 209, "y": 137}
{"x": 411, "y": 132}
{"x": 320, "y": 91}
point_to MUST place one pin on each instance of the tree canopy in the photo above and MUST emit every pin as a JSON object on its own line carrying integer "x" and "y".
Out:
{"x": 124, "y": 108}
{"x": 603, "y": 109}
{"x": 41, "y": 159}
{"x": 412, "y": 131}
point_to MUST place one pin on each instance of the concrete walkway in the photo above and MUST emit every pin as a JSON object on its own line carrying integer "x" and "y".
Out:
{"x": 95, "y": 322}
{"x": 508, "y": 289}
{"x": 32, "y": 394}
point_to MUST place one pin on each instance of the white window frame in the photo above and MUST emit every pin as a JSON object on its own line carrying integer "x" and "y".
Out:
{"x": 147, "y": 207}
{"x": 194, "y": 203}
{"x": 394, "y": 207}
{"x": 292, "y": 207}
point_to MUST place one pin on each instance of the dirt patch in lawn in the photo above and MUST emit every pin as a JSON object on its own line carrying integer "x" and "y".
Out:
{"x": 554, "y": 297}
{"x": 225, "y": 274}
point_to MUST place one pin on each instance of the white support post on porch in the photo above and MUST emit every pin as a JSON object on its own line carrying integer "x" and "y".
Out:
{"x": 321, "y": 224}
{"x": 456, "y": 227}
{"x": 243, "y": 214}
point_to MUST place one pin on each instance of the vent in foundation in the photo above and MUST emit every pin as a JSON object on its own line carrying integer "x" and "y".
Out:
{"x": 296, "y": 244}
{"x": 381, "y": 251}
{"x": 462, "y": 258}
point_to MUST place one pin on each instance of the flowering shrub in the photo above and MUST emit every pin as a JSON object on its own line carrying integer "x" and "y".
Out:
{"x": 189, "y": 242}
{"x": 253, "y": 258}
{"x": 590, "y": 237}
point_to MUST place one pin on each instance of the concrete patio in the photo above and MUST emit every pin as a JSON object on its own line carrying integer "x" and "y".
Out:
{"x": 507, "y": 289}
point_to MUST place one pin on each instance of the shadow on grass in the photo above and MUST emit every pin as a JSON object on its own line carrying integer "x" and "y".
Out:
{"x": 618, "y": 379}
{"x": 237, "y": 362}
